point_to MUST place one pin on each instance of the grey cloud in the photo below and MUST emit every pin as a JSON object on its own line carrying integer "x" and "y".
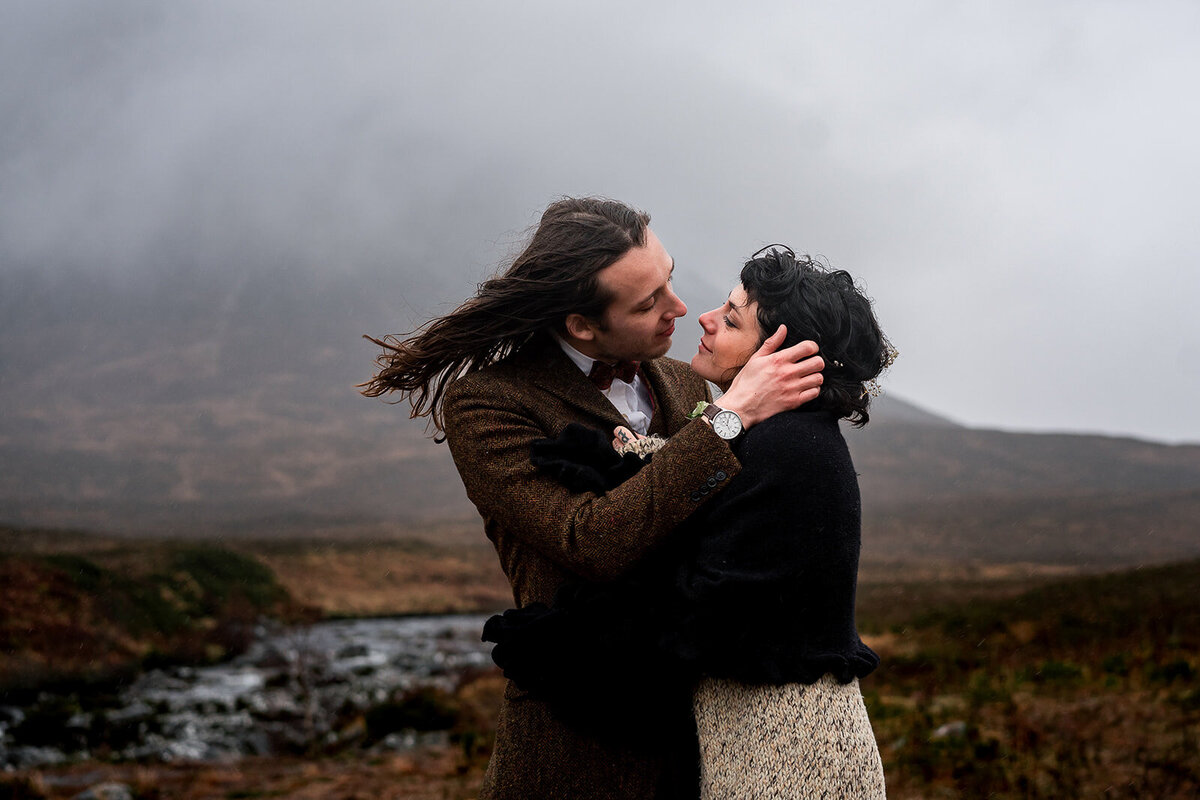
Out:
{"x": 1013, "y": 184}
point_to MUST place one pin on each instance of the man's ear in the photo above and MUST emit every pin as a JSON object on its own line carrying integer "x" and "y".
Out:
{"x": 580, "y": 327}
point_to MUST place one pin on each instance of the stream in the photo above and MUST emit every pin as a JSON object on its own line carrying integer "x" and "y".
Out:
{"x": 287, "y": 692}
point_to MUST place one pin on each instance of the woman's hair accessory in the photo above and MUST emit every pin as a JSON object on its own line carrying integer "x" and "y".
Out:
{"x": 783, "y": 248}
{"x": 872, "y": 386}
{"x": 892, "y": 355}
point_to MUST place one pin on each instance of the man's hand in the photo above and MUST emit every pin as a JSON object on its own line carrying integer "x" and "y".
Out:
{"x": 623, "y": 436}
{"x": 775, "y": 381}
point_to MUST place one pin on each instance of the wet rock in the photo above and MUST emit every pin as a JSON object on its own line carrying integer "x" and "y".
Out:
{"x": 353, "y": 651}
{"x": 951, "y": 730}
{"x": 27, "y": 756}
{"x": 398, "y": 741}
{"x": 135, "y": 712}
{"x": 256, "y": 742}
{"x": 273, "y": 658}
{"x": 106, "y": 791}
{"x": 404, "y": 741}
{"x": 159, "y": 748}
{"x": 275, "y": 705}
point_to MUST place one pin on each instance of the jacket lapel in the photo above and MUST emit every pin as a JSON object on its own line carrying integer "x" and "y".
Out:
{"x": 670, "y": 407}
{"x": 548, "y": 367}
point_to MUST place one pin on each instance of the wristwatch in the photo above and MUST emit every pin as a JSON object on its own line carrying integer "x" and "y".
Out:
{"x": 725, "y": 423}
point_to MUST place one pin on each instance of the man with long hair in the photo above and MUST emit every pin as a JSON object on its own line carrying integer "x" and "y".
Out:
{"x": 576, "y": 330}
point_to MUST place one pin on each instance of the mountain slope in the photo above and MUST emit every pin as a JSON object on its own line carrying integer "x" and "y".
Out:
{"x": 195, "y": 405}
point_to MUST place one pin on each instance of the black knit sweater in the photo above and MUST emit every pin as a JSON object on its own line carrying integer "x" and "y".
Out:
{"x": 758, "y": 586}
{"x": 766, "y": 586}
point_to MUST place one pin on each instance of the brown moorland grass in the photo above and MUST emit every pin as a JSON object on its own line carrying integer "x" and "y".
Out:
{"x": 1085, "y": 687}
{"x": 431, "y": 773}
{"x": 381, "y": 578}
{"x": 996, "y": 681}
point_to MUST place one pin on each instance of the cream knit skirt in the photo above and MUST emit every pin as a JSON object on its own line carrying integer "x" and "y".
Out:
{"x": 790, "y": 741}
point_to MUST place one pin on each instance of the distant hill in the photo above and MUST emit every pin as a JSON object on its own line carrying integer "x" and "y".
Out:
{"x": 185, "y": 409}
{"x": 893, "y": 410}
{"x": 958, "y": 494}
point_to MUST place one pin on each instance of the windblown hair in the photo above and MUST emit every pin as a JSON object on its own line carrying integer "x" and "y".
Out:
{"x": 822, "y": 305}
{"x": 557, "y": 274}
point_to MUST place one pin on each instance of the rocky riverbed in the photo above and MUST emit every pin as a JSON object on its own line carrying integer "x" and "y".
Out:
{"x": 295, "y": 690}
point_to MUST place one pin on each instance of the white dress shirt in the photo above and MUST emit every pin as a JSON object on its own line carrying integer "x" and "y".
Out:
{"x": 631, "y": 399}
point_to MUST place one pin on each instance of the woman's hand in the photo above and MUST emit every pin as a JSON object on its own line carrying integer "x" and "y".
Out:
{"x": 772, "y": 382}
{"x": 623, "y": 436}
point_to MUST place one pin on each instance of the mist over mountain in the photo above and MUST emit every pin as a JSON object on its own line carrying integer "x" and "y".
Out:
{"x": 987, "y": 174}
{"x": 221, "y": 404}
{"x": 185, "y": 401}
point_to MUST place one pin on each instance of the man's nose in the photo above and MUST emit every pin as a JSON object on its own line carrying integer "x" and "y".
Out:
{"x": 679, "y": 309}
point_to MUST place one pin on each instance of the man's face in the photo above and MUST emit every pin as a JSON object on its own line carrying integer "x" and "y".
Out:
{"x": 638, "y": 323}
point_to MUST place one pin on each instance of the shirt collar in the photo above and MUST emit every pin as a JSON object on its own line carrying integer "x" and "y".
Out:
{"x": 579, "y": 359}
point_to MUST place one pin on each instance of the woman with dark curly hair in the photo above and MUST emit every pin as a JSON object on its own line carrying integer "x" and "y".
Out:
{"x": 750, "y": 607}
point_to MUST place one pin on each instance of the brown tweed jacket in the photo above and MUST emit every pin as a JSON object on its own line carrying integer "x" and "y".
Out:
{"x": 545, "y": 535}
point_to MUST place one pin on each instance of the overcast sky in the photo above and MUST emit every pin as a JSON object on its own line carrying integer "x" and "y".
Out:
{"x": 1014, "y": 183}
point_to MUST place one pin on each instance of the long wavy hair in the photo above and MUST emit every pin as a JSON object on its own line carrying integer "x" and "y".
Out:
{"x": 557, "y": 274}
{"x": 825, "y": 306}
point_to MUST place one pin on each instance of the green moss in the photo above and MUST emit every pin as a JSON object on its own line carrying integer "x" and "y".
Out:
{"x": 222, "y": 576}
{"x": 178, "y": 604}
{"x": 137, "y": 605}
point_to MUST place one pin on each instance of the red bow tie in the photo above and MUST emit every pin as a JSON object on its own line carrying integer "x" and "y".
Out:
{"x": 602, "y": 374}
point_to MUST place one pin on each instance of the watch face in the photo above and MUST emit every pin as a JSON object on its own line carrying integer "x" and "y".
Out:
{"x": 727, "y": 424}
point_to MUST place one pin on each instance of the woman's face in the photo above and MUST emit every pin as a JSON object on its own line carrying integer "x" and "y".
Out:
{"x": 731, "y": 335}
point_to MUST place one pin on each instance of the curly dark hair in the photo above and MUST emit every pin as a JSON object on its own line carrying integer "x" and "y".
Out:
{"x": 823, "y": 305}
{"x": 557, "y": 274}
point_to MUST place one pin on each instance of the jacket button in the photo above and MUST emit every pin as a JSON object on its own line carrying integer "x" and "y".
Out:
{"x": 712, "y": 481}
{"x": 703, "y": 490}
{"x": 721, "y": 475}
{"x": 695, "y": 497}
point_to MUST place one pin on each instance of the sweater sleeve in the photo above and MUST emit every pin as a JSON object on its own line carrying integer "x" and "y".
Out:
{"x": 594, "y": 536}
